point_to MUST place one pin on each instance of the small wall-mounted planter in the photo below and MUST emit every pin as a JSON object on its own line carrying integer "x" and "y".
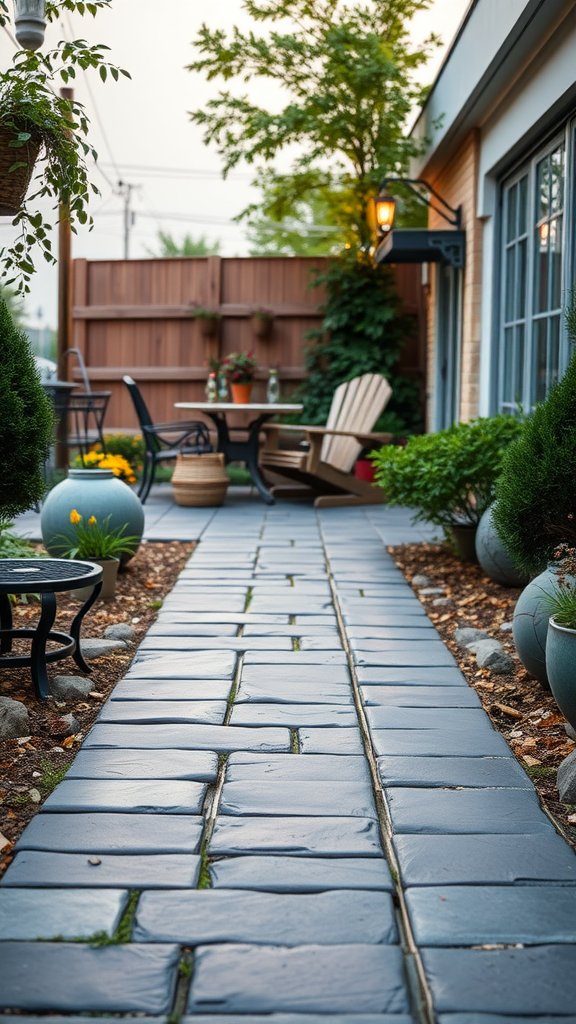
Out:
{"x": 262, "y": 327}
{"x": 208, "y": 326}
{"x": 14, "y": 184}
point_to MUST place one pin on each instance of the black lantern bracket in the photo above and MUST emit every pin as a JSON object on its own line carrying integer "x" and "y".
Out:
{"x": 449, "y": 213}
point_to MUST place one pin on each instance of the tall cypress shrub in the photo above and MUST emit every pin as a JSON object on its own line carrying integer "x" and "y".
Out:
{"x": 26, "y": 421}
{"x": 536, "y": 493}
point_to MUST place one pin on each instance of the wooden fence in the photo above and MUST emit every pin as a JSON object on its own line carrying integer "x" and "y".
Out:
{"x": 134, "y": 317}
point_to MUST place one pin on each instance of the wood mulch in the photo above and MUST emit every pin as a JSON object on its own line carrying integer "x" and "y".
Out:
{"x": 32, "y": 766}
{"x": 525, "y": 713}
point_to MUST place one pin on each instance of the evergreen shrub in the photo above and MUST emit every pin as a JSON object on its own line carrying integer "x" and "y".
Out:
{"x": 448, "y": 478}
{"x": 536, "y": 494}
{"x": 26, "y": 422}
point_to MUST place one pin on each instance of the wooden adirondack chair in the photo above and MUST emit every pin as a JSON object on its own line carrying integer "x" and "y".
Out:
{"x": 325, "y": 467}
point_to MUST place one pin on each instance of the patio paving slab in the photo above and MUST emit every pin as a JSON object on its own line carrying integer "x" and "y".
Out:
{"x": 504, "y": 859}
{"x": 296, "y": 836}
{"x": 293, "y": 693}
{"x": 441, "y": 811}
{"x": 414, "y": 676}
{"x": 300, "y": 874}
{"x": 188, "y": 737}
{"x": 262, "y": 979}
{"x": 149, "y": 712}
{"x": 165, "y": 627}
{"x": 449, "y": 772}
{"x": 128, "y": 796}
{"x": 280, "y": 673}
{"x": 268, "y": 919}
{"x": 296, "y": 660}
{"x": 112, "y": 979}
{"x": 268, "y": 644}
{"x": 412, "y": 656}
{"x": 64, "y": 870}
{"x": 94, "y": 833}
{"x": 242, "y": 767}
{"x": 475, "y": 915}
{"x": 195, "y": 665}
{"x": 433, "y": 697}
{"x": 294, "y": 715}
{"x": 172, "y": 689}
{"x": 463, "y": 721}
{"x": 350, "y": 799}
{"x": 440, "y": 743}
{"x": 529, "y": 981}
{"x": 27, "y": 915}
{"x": 330, "y": 741}
{"x": 198, "y": 765}
{"x": 296, "y": 1018}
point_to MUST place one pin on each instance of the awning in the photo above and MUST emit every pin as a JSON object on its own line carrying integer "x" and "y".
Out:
{"x": 419, "y": 245}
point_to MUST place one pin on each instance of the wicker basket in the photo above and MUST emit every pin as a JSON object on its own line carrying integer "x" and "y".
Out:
{"x": 14, "y": 185}
{"x": 200, "y": 480}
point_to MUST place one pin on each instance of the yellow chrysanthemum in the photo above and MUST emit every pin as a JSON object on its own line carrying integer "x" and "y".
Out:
{"x": 92, "y": 521}
{"x": 75, "y": 517}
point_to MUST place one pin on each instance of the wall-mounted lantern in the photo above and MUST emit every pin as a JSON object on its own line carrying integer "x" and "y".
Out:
{"x": 385, "y": 205}
{"x": 30, "y": 21}
{"x": 419, "y": 245}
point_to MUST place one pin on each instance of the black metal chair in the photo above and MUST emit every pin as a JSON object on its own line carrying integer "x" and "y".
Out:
{"x": 193, "y": 439}
{"x": 77, "y": 410}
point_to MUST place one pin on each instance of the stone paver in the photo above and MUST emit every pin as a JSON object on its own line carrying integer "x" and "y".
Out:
{"x": 226, "y": 781}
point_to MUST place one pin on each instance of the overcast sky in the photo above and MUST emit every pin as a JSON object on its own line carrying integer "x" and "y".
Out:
{"x": 143, "y": 135}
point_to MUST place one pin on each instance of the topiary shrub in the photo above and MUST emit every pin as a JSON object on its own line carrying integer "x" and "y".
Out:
{"x": 448, "y": 478}
{"x": 536, "y": 510}
{"x": 26, "y": 423}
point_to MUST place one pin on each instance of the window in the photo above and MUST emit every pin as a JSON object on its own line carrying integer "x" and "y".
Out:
{"x": 532, "y": 280}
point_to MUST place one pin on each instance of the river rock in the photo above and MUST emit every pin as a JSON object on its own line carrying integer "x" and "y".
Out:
{"x": 65, "y": 725}
{"x": 468, "y": 636}
{"x": 70, "y": 687}
{"x": 567, "y": 779}
{"x": 94, "y": 647}
{"x": 490, "y": 654}
{"x": 14, "y": 721}
{"x": 432, "y": 591}
{"x": 421, "y": 580}
{"x": 120, "y": 631}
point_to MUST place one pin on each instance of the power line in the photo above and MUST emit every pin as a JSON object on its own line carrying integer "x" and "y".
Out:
{"x": 182, "y": 172}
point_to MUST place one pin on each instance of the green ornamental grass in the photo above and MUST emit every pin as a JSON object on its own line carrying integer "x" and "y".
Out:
{"x": 95, "y": 540}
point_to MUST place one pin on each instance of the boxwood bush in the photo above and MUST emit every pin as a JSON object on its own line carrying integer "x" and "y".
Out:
{"x": 448, "y": 478}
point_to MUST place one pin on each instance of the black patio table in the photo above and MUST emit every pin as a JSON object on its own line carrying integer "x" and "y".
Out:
{"x": 48, "y": 577}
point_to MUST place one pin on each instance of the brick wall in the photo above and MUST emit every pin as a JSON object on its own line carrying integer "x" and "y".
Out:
{"x": 457, "y": 184}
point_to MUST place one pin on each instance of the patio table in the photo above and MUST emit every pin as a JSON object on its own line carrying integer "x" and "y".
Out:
{"x": 45, "y": 576}
{"x": 242, "y": 451}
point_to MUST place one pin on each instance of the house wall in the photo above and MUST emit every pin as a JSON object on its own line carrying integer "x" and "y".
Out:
{"x": 457, "y": 183}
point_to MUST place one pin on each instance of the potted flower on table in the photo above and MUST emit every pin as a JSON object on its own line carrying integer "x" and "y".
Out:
{"x": 95, "y": 542}
{"x": 240, "y": 369}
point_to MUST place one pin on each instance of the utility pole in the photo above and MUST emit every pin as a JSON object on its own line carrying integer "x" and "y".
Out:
{"x": 64, "y": 302}
{"x": 125, "y": 190}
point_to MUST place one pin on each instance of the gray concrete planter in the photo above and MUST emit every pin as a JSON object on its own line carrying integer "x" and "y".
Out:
{"x": 561, "y": 668}
{"x": 494, "y": 557}
{"x": 530, "y": 624}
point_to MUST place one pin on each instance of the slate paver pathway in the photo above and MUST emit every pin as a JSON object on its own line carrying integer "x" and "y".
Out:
{"x": 245, "y": 780}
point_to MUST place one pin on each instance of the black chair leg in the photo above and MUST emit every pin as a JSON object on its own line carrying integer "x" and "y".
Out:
{"x": 145, "y": 472}
{"x": 151, "y": 478}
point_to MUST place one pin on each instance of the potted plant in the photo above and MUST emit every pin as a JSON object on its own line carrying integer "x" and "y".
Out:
{"x": 208, "y": 320}
{"x": 262, "y": 321}
{"x": 560, "y": 602}
{"x": 448, "y": 478}
{"x": 240, "y": 369}
{"x": 95, "y": 542}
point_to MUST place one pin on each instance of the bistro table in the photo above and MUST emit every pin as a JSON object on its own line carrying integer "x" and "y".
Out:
{"x": 45, "y": 576}
{"x": 242, "y": 451}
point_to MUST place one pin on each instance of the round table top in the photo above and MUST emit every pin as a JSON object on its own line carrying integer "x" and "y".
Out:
{"x": 42, "y": 575}
{"x": 271, "y": 407}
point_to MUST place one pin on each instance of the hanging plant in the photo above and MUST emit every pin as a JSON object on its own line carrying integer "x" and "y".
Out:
{"x": 37, "y": 124}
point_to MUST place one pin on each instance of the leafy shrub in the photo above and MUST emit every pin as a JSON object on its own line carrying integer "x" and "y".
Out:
{"x": 449, "y": 477}
{"x": 13, "y": 546}
{"x": 25, "y": 424}
{"x": 129, "y": 446}
{"x": 536, "y": 510}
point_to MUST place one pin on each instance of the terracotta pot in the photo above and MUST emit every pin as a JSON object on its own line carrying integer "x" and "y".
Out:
{"x": 208, "y": 326}
{"x": 241, "y": 393}
{"x": 262, "y": 326}
{"x": 110, "y": 568}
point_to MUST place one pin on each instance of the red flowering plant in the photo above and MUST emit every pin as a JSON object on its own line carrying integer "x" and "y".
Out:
{"x": 240, "y": 367}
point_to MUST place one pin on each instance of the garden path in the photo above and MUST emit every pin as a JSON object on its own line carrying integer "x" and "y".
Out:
{"x": 305, "y": 814}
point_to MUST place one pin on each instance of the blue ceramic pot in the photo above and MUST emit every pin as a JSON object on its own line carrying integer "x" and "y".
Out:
{"x": 560, "y": 662}
{"x": 530, "y": 624}
{"x": 92, "y": 492}
{"x": 494, "y": 557}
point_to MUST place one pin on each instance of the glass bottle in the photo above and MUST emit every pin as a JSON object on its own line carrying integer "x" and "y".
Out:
{"x": 212, "y": 388}
{"x": 273, "y": 388}
{"x": 222, "y": 388}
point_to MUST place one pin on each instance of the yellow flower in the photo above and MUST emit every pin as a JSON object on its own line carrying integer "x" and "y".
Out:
{"x": 75, "y": 517}
{"x": 92, "y": 521}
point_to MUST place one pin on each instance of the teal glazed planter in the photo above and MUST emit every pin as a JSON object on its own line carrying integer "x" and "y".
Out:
{"x": 530, "y": 624}
{"x": 92, "y": 492}
{"x": 494, "y": 557}
{"x": 561, "y": 667}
